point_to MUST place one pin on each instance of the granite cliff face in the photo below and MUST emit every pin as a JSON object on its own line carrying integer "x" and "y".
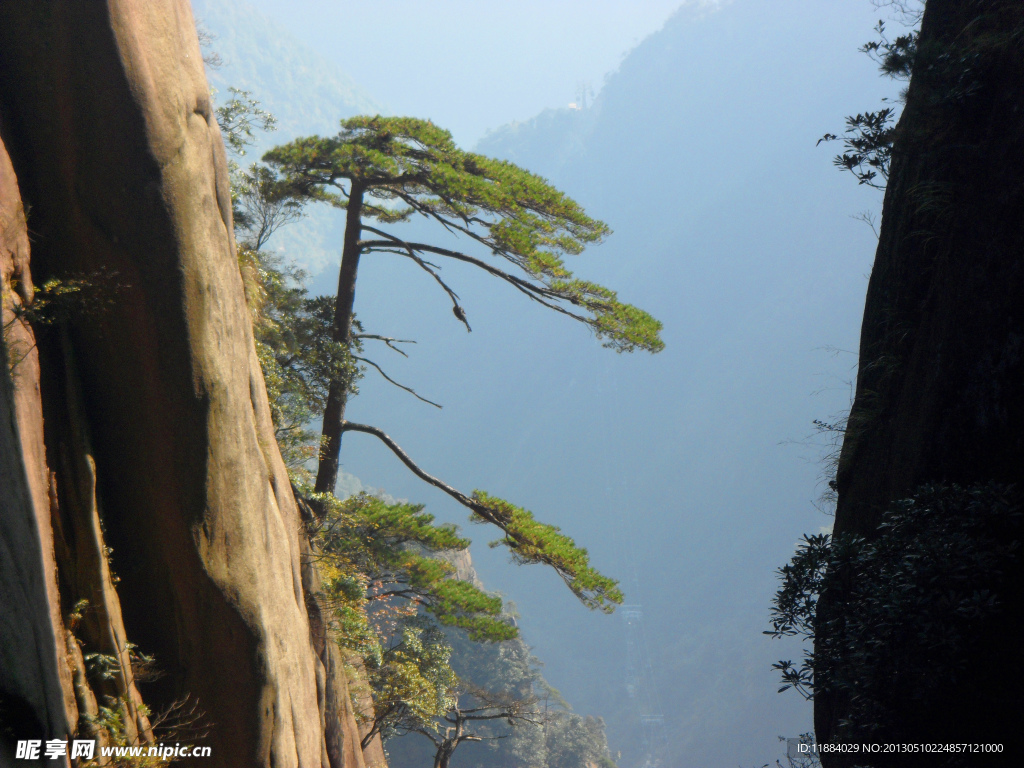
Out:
{"x": 35, "y": 689}
{"x": 139, "y": 420}
{"x": 939, "y": 398}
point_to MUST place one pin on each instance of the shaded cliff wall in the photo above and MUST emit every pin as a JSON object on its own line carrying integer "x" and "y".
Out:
{"x": 35, "y": 683}
{"x": 940, "y": 388}
{"x": 148, "y": 413}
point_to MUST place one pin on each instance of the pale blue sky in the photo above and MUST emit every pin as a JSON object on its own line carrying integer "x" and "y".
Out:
{"x": 469, "y": 65}
{"x": 731, "y": 226}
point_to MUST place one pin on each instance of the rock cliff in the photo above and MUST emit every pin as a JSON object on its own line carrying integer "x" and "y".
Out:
{"x": 939, "y": 397}
{"x": 133, "y": 414}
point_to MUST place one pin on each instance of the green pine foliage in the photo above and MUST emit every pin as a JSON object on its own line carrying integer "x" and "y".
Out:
{"x": 405, "y": 166}
{"x": 394, "y": 550}
{"x": 531, "y": 541}
{"x": 391, "y": 592}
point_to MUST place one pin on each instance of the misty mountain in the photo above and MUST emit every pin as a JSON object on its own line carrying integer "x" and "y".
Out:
{"x": 733, "y": 229}
{"x": 679, "y": 471}
{"x": 305, "y": 93}
{"x": 164, "y": 579}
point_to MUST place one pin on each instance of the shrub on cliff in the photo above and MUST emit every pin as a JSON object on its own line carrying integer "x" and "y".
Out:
{"x": 926, "y": 608}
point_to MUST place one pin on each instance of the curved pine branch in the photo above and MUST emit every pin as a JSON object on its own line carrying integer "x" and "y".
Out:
{"x": 528, "y": 540}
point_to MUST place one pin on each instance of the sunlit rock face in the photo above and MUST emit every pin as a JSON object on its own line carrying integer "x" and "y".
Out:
{"x": 154, "y": 393}
{"x": 35, "y": 683}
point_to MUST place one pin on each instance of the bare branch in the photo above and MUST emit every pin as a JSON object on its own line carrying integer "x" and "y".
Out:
{"x": 389, "y": 340}
{"x": 379, "y": 246}
{"x": 513, "y": 539}
{"x": 430, "y": 735}
{"x": 410, "y": 390}
{"x": 868, "y": 218}
{"x": 538, "y": 293}
{"x": 459, "y": 496}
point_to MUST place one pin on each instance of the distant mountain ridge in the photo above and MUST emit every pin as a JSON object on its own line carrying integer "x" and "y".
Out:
{"x": 304, "y": 91}
{"x": 732, "y": 229}
{"x": 547, "y": 141}
{"x": 699, "y": 153}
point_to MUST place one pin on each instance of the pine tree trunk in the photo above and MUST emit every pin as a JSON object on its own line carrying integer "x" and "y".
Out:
{"x": 337, "y": 398}
{"x": 444, "y": 757}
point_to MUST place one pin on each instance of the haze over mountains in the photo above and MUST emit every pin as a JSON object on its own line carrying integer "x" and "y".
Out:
{"x": 306, "y": 93}
{"x": 733, "y": 230}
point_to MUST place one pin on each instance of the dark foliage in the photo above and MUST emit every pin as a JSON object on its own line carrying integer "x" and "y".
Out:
{"x": 924, "y": 611}
{"x": 868, "y": 137}
{"x": 868, "y": 141}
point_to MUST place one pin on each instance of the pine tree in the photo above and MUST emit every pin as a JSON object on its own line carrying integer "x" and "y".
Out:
{"x": 383, "y": 171}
